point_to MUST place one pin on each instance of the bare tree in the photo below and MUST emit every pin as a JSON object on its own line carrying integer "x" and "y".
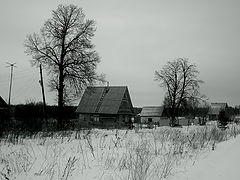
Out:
{"x": 65, "y": 50}
{"x": 180, "y": 79}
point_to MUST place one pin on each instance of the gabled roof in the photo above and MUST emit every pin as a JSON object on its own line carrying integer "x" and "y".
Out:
{"x": 3, "y": 104}
{"x": 215, "y": 108}
{"x": 103, "y": 100}
{"x": 152, "y": 111}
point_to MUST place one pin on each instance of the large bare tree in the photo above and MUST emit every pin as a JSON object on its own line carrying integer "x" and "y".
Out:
{"x": 180, "y": 79}
{"x": 64, "y": 48}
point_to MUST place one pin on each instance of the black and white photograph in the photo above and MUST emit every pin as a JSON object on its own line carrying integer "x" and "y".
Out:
{"x": 119, "y": 90}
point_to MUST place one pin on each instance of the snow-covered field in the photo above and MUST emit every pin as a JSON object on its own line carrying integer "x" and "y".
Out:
{"x": 220, "y": 164}
{"x": 139, "y": 154}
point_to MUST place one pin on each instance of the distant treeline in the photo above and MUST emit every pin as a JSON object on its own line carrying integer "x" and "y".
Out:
{"x": 23, "y": 111}
{"x": 30, "y": 117}
{"x": 189, "y": 112}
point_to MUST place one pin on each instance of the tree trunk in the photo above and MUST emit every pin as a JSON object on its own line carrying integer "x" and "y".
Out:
{"x": 61, "y": 85}
{"x": 60, "y": 99}
{"x": 173, "y": 117}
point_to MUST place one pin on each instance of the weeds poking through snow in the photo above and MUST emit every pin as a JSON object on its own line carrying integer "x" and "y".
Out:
{"x": 127, "y": 155}
{"x": 69, "y": 168}
{"x": 140, "y": 161}
{"x": 116, "y": 140}
{"x": 90, "y": 145}
{"x": 164, "y": 167}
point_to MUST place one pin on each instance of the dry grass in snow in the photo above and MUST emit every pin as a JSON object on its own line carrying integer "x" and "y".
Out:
{"x": 140, "y": 154}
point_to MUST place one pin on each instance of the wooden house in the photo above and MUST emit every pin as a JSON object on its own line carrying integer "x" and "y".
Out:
{"x": 3, "y": 104}
{"x": 4, "y": 111}
{"x": 154, "y": 114}
{"x": 109, "y": 104}
{"x": 215, "y": 109}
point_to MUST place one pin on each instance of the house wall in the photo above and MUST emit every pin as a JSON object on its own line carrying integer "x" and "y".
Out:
{"x": 153, "y": 119}
{"x": 84, "y": 117}
{"x": 161, "y": 121}
{"x": 124, "y": 118}
{"x": 213, "y": 117}
{"x": 187, "y": 122}
{"x": 164, "y": 121}
{"x": 126, "y": 106}
{"x": 184, "y": 122}
{"x": 105, "y": 120}
{"x": 121, "y": 118}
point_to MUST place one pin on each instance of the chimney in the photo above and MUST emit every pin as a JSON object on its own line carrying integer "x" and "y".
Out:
{"x": 107, "y": 87}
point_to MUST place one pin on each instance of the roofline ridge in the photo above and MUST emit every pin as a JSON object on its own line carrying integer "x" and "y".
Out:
{"x": 103, "y": 86}
{"x": 151, "y": 106}
{"x": 219, "y": 103}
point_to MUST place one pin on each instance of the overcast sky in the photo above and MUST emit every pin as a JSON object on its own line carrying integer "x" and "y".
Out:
{"x": 134, "y": 38}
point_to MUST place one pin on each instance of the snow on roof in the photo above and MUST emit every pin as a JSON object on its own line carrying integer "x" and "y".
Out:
{"x": 152, "y": 111}
{"x": 215, "y": 108}
{"x": 102, "y": 100}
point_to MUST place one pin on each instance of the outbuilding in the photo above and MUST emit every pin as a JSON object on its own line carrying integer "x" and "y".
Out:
{"x": 4, "y": 112}
{"x": 154, "y": 114}
{"x": 215, "y": 110}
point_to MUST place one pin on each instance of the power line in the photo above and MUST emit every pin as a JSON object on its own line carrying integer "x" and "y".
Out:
{"x": 25, "y": 88}
{"x": 18, "y": 77}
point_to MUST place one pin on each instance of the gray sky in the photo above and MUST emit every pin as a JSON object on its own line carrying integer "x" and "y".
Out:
{"x": 134, "y": 38}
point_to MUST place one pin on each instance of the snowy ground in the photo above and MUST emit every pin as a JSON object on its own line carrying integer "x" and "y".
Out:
{"x": 140, "y": 154}
{"x": 220, "y": 164}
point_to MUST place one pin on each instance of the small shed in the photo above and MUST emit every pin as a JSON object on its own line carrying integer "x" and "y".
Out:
{"x": 107, "y": 104}
{"x": 3, "y": 104}
{"x": 237, "y": 119}
{"x": 215, "y": 109}
{"x": 4, "y": 111}
{"x": 154, "y": 114}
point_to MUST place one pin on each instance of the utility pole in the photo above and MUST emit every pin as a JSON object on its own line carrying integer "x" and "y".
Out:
{"x": 12, "y": 65}
{"x": 43, "y": 95}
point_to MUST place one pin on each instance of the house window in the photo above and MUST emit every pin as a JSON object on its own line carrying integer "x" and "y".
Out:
{"x": 91, "y": 118}
{"x": 150, "y": 119}
{"x": 96, "y": 118}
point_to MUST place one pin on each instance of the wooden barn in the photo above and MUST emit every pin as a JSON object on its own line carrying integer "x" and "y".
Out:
{"x": 4, "y": 111}
{"x": 109, "y": 105}
{"x": 215, "y": 109}
{"x": 3, "y": 105}
{"x": 154, "y": 114}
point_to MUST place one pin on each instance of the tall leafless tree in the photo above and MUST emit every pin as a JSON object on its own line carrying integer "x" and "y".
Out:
{"x": 64, "y": 48}
{"x": 180, "y": 79}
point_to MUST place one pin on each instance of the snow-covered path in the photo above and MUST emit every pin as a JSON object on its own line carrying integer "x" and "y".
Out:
{"x": 221, "y": 164}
